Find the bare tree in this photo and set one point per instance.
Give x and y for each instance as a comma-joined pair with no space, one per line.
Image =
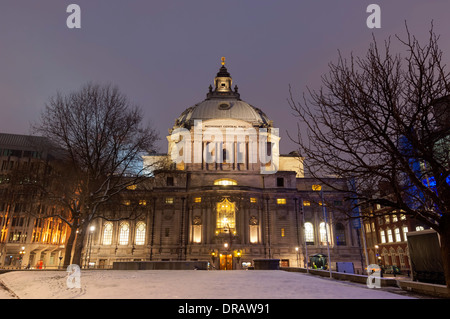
379,119
101,138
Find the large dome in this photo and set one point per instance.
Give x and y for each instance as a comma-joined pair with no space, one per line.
223,109
223,103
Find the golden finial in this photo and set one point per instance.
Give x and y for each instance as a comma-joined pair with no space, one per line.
223,60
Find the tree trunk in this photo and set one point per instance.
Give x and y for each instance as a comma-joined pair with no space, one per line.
79,244
69,245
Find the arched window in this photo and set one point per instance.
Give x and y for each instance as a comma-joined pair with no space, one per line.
225,182
385,255
124,232
401,257
226,217
340,234
324,233
140,233
394,259
107,233
309,233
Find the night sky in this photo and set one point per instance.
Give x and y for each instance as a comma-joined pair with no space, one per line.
164,54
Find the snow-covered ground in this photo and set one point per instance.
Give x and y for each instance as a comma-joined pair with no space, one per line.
185,284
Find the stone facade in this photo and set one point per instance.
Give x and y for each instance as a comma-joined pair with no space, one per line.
232,207
228,201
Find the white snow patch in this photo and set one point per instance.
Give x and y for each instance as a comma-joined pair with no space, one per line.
186,284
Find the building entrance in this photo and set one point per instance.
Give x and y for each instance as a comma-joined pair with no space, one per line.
226,262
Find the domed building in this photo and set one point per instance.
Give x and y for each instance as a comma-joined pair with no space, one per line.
225,195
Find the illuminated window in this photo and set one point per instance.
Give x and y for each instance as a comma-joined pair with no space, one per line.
389,234
281,201
397,235
405,231
124,232
126,202
309,233
140,233
252,199
323,233
306,203
253,234
225,182
169,200
143,202
197,233
226,222
316,187
132,187
383,236
282,232
107,233
197,200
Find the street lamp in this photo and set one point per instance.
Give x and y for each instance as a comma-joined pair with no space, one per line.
296,252
21,254
377,254
318,188
213,258
238,254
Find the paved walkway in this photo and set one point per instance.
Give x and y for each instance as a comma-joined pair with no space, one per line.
181,284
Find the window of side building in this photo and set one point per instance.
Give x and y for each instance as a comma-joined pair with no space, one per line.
309,233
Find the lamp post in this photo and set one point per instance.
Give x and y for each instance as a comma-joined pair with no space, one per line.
238,255
319,188
213,258
304,237
326,232
377,255
21,254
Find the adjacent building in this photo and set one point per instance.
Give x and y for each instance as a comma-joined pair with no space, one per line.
386,237
29,236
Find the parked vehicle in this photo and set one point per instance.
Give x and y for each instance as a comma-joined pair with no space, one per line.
394,270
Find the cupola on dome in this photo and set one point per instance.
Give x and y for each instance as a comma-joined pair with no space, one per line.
223,102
